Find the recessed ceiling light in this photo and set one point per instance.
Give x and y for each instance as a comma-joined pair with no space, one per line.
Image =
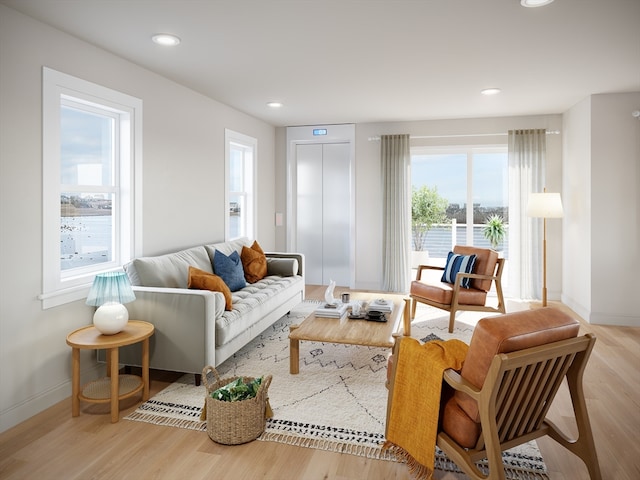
165,39
535,3
490,91
274,104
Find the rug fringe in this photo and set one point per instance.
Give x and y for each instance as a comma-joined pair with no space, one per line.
168,421
375,453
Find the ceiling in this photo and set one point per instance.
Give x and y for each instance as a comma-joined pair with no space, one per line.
354,61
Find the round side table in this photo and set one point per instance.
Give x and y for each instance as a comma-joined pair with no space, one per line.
113,387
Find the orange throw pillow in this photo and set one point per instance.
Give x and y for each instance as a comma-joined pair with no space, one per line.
201,280
254,263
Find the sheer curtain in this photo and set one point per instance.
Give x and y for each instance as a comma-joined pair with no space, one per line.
527,153
395,160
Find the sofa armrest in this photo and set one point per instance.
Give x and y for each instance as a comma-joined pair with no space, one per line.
298,256
184,320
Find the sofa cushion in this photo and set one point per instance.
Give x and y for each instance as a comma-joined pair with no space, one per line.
228,247
254,262
253,303
201,280
170,270
458,264
230,269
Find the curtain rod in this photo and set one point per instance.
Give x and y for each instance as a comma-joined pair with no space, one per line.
501,134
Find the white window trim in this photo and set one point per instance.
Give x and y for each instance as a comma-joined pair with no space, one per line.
57,290
230,137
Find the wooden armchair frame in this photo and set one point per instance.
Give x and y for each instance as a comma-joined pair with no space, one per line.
455,306
514,400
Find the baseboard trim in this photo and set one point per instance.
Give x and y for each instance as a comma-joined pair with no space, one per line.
602,318
43,400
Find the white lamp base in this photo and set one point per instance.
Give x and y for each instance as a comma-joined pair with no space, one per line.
111,318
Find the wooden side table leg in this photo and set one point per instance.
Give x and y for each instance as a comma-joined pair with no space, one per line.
294,353
115,385
145,370
75,382
108,361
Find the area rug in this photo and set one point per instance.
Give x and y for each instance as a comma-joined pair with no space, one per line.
338,400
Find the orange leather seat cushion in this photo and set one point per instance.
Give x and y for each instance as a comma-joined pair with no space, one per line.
442,292
493,335
430,287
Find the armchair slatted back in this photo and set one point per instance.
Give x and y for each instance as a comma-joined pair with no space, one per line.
523,384
515,399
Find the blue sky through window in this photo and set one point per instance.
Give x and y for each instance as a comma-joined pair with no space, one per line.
448,173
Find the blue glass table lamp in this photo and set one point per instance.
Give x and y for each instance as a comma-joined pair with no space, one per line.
109,292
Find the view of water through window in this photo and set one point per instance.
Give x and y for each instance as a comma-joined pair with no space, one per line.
85,240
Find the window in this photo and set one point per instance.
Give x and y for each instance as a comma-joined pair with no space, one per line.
463,176
92,154
241,160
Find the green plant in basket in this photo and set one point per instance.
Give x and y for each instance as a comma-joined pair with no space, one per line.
237,390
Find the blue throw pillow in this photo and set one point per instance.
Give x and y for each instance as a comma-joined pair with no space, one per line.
229,269
458,263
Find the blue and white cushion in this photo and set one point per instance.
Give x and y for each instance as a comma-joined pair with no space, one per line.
458,263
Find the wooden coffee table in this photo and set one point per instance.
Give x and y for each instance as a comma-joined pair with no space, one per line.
351,332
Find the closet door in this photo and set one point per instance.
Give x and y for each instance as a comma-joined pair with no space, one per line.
323,211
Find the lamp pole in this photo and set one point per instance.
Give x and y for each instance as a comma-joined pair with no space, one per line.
544,261
544,205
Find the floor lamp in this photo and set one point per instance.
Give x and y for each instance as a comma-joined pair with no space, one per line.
544,205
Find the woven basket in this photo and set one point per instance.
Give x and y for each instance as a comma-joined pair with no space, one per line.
233,423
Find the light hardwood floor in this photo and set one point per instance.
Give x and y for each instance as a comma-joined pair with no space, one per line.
53,445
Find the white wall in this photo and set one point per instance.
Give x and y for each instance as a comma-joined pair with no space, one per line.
576,203
602,254
183,193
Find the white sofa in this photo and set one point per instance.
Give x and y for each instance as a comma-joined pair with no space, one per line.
192,328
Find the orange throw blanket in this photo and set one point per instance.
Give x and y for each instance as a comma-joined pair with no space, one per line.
412,425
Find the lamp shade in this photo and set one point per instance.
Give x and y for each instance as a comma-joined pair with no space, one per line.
108,292
110,287
545,205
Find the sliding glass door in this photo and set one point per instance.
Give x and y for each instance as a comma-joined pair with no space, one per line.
464,189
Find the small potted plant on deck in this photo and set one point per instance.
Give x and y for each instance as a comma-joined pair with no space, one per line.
494,230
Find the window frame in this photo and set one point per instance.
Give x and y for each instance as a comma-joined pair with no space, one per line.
246,143
60,287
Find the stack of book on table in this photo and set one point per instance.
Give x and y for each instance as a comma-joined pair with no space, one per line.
335,310
381,305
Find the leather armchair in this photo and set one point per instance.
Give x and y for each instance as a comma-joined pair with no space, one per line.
513,369
428,287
